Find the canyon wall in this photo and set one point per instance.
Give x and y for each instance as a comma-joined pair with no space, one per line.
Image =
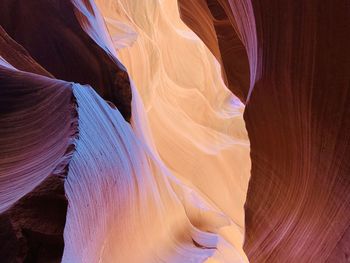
98,157
297,116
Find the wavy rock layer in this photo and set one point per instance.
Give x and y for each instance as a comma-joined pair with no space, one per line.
33,163
121,195
53,33
297,118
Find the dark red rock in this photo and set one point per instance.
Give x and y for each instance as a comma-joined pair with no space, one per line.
32,230
17,56
51,33
298,120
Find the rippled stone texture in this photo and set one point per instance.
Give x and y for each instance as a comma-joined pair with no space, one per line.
33,205
298,121
37,120
38,125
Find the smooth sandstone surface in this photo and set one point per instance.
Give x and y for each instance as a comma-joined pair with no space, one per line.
204,142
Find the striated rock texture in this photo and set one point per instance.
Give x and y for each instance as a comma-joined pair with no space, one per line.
121,195
38,122
60,38
298,120
33,163
78,182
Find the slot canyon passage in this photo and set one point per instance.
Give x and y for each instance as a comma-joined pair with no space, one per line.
174,131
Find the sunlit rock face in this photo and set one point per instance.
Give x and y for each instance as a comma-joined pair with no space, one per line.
82,182
214,23
297,116
204,141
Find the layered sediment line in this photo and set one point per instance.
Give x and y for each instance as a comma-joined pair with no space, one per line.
38,128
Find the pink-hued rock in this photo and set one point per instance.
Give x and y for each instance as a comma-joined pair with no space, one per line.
38,126
298,120
52,32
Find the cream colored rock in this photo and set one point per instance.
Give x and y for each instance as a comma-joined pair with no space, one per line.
196,124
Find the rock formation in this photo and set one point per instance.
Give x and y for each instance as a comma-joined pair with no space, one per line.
33,163
214,23
56,34
81,184
297,116
150,162
204,141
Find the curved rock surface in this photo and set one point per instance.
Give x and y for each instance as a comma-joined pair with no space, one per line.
120,195
15,55
106,184
297,116
79,183
33,164
214,23
59,36
204,143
